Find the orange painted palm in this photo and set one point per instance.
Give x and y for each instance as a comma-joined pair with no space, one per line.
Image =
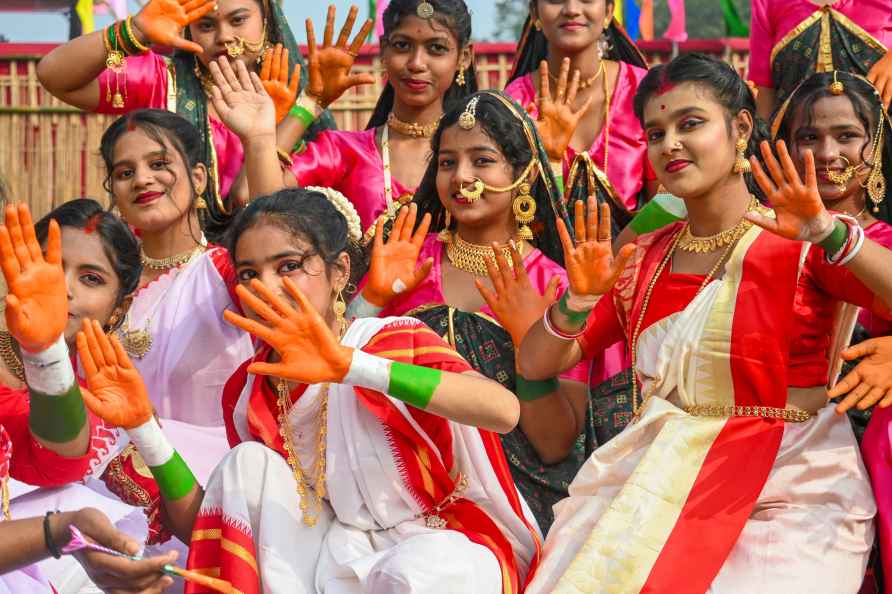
274,75
162,22
329,67
393,267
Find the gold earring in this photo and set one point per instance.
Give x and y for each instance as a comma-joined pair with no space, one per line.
201,203
460,78
445,235
742,164
524,207
340,308
537,24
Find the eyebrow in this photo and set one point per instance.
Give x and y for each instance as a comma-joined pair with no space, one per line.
438,39
480,148
95,268
677,114
146,156
274,257
837,127
228,15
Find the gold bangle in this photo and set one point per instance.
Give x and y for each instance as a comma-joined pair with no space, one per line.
284,157
131,36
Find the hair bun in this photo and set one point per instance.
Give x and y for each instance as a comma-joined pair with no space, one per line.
345,207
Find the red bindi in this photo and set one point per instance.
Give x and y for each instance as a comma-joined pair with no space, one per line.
662,108
91,225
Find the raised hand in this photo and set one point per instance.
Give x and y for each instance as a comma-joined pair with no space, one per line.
116,393
799,211
241,100
329,66
557,119
515,301
309,352
37,302
870,382
274,76
393,267
591,266
881,77
161,22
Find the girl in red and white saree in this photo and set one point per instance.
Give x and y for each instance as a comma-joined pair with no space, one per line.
735,465
357,460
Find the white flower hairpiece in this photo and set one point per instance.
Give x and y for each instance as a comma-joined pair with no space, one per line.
345,207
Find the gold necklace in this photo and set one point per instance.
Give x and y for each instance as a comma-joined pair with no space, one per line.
413,129
303,485
471,257
688,242
584,84
650,288
10,357
174,260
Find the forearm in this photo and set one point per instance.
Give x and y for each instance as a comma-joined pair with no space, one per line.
765,100
550,421
291,130
544,355
72,67
57,416
180,491
466,398
262,166
22,542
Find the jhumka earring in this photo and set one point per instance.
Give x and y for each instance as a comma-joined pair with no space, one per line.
537,24
340,308
460,78
524,207
742,164
445,234
876,182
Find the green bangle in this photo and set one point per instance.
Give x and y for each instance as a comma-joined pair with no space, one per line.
837,238
528,390
413,384
575,317
174,478
57,418
662,210
303,114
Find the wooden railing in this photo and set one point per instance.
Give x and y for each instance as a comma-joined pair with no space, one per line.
49,150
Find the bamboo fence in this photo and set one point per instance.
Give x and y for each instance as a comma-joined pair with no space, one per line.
49,151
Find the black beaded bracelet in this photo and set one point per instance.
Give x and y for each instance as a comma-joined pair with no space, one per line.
51,545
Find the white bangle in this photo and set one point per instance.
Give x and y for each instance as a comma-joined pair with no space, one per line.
151,442
859,243
368,371
49,371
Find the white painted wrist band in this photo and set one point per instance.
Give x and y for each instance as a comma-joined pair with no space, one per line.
361,308
49,372
369,371
151,442
581,303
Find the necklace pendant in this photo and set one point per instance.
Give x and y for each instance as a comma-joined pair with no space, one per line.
434,522
137,343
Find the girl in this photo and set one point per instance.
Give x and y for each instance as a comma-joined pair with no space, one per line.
732,383
610,68
427,53
91,72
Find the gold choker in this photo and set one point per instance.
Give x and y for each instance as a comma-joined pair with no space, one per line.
171,261
471,257
413,129
10,357
704,245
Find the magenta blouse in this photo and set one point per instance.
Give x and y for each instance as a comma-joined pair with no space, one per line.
350,163
627,163
146,86
773,19
539,267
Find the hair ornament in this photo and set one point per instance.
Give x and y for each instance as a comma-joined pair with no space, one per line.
468,119
425,10
836,87
345,207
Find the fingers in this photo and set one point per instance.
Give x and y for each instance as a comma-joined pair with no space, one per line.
604,230
311,40
564,236
498,269
845,385
362,78
241,72
83,351
855,395
305,306
120,353
422,272
591,219
520,271
96,405
562,79
258,85
792,176
271,369
344,36
811,178
8,260
93,345
873,396
491,299
360,38
622,260
250,326
329,26
551,291
421,232
295,80
761,220
379,236
761,178
544,87
220,80
272,299
194,15
396,232
579,220
258,306
585,106
15,234
185,44
30,239
53,244
774,168
574,88
104,344
863,349
409,225
276,65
